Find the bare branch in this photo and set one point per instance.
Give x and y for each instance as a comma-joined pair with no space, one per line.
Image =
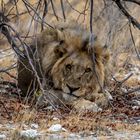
74,8
45,11
129,17
133,90
63,10
5,31
133,1
28,5
137,52
9,68
5,109
119,83
53,8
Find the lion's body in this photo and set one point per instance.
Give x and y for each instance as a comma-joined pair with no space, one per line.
62,56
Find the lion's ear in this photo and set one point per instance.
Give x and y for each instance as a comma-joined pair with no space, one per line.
101,53
60,34
85,43
59,51
105,54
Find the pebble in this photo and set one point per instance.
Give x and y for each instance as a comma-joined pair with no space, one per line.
56,128
25,126
30,133
55,119
2,136
135,107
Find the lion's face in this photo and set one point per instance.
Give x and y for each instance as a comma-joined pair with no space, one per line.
70,64
63,62
74,74
77,71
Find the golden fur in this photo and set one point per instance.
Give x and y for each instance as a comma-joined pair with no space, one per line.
64,58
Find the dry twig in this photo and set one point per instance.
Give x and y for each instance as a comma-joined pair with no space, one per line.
125,12
5,109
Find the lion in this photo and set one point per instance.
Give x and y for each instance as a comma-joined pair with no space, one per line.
61,56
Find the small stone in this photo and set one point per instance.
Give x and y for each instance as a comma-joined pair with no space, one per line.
55,119
10,126
2,136
135,107
108,95
136,102
25,126
56,128
30,133
49,108
72,135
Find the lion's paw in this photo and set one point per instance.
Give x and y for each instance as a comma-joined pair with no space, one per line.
83,105
100,99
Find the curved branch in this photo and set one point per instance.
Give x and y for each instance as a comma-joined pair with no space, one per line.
134,1
4,30
125,12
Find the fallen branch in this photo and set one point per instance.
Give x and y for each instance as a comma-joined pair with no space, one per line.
133,90
119,83
8,83
5,109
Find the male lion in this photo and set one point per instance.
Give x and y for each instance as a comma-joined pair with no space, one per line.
61,56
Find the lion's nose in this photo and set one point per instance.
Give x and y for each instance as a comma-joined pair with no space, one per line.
72,89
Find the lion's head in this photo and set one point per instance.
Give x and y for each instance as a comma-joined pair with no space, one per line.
73,70
63,56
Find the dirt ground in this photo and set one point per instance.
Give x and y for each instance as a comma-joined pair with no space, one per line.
123,114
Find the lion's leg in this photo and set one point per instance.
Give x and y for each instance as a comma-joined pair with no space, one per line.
100,99
51,97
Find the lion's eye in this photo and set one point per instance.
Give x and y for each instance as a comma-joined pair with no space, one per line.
61,42
68,67
88,70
